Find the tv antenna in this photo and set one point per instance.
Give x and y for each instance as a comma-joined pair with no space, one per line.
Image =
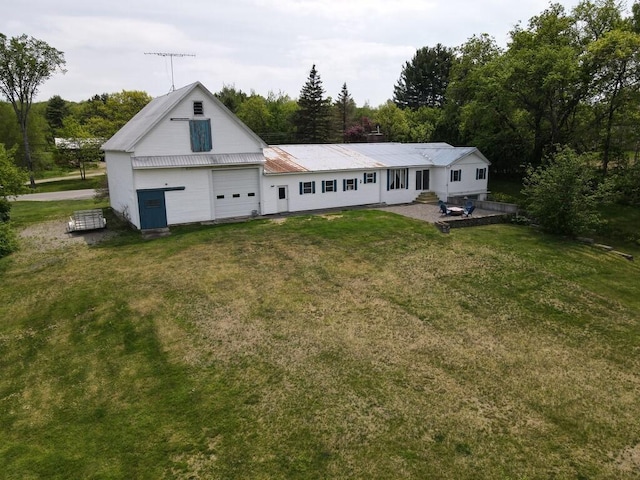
171,55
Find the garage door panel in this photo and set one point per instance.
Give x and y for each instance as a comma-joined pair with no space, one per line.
236,192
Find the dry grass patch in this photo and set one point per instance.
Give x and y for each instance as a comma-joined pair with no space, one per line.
365,346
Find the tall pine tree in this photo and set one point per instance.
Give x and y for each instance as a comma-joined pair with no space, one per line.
313,118
346,106
423,81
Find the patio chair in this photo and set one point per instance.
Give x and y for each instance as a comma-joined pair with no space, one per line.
469,210
468,204
443,208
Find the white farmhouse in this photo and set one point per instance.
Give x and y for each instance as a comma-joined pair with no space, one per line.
186,158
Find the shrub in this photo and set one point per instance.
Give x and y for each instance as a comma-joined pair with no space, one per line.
5,210
8,240
562,195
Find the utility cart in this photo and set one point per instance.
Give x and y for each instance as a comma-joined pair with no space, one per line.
83,220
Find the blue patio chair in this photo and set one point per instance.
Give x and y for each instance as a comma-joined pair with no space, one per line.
468,204
469,210
443,208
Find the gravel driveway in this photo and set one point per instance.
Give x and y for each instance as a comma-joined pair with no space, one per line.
53,234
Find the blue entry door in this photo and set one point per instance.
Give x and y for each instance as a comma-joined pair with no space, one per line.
152,207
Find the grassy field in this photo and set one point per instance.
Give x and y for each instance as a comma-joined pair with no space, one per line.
71,184
354,345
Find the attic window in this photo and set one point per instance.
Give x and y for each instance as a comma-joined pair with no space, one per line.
198,108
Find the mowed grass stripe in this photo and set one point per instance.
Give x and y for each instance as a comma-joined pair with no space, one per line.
357,345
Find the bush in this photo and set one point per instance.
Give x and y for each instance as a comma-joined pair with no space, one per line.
8,240
5,210
562,195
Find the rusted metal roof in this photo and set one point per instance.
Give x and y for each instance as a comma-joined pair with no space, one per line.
204,160
279,161
317,158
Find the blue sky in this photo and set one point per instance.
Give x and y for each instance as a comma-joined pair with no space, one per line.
260,45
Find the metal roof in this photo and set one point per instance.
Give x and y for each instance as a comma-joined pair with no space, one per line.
305,158
203,160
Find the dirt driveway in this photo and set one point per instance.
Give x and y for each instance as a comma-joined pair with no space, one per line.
53,234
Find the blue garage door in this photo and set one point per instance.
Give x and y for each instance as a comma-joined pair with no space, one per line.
153,211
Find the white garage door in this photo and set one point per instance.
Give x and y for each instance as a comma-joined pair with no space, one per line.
236,193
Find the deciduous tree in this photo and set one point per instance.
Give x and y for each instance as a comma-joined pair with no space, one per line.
562,195
25,63
255,114
393,122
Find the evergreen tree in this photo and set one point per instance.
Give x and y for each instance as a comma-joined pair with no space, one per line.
313,118
57,109
423,81
346,107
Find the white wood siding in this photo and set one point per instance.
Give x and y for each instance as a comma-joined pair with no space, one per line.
122,195
171,137
193,204
468,185
366,193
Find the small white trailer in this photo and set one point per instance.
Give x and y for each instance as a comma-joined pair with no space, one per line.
83,220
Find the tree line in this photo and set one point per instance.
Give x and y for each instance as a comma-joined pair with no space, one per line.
566,78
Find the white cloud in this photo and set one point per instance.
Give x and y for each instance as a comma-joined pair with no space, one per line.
261,45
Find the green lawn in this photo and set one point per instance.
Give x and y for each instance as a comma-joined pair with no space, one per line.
355,345
71,184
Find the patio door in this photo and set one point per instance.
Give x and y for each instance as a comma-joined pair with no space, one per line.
422,180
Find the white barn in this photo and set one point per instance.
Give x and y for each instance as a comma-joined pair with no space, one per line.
186,158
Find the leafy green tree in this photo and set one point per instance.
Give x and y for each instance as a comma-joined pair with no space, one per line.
114,112
282,112
544,78
25,63
562,195
255,114
423,81
393,122
466,79
616,59
231,98
313,118
12,180
80,146
9,129
422,123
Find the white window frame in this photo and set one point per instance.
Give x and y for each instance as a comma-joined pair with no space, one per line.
350,184
329,186
456,175
481,173
370,177
398,178
307,188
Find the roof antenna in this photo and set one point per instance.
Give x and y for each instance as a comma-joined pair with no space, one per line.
171,55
